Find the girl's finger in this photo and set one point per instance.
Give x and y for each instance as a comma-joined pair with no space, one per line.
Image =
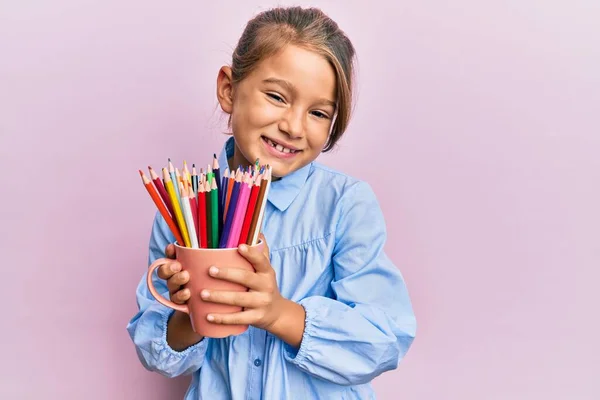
247,317
237,275
178,280
262,237
181,296
170,251
240,299
167,270
256,257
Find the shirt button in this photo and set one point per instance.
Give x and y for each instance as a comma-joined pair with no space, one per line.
257,362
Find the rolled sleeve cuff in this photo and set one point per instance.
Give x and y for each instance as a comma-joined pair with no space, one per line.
158,355
162,343
301,355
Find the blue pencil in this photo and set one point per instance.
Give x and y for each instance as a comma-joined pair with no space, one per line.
175,181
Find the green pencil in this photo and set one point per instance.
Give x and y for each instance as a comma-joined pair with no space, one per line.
209,236
209,175
214,213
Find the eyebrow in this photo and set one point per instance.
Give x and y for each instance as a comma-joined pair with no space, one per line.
288,85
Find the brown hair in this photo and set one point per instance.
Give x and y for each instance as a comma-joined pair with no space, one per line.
310,28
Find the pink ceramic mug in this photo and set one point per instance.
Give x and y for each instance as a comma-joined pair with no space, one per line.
197,262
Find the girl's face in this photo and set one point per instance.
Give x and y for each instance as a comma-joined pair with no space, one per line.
282,112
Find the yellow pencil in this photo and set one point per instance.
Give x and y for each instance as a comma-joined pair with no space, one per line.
176,208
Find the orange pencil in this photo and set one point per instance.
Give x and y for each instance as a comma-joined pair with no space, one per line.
161,207
232,177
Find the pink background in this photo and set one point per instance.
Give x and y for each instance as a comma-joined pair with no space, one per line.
477,125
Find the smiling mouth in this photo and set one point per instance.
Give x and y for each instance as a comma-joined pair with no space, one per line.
279,146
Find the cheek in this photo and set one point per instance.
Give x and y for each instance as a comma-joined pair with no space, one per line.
253,113
319,135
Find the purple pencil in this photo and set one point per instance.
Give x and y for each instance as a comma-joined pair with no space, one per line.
240,212
228,224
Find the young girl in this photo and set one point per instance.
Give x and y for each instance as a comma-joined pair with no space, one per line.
328,311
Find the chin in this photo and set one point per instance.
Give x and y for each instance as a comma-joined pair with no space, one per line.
280,172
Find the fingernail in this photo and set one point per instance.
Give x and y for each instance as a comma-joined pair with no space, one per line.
243,247
210,318
205,294
213,270
175,267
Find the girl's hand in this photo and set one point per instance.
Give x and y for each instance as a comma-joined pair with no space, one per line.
175,277
262,304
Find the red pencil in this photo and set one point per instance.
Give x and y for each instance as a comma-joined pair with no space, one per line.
250,210
161,207
161,190
202,233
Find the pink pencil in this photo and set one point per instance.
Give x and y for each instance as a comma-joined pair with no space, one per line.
240,212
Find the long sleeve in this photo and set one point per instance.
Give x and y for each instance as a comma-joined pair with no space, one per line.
369,325
148,328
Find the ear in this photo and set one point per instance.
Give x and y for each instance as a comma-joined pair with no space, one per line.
225,89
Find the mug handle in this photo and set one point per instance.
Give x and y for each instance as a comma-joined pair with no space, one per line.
160,298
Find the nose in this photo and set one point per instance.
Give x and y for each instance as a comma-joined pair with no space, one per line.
292,123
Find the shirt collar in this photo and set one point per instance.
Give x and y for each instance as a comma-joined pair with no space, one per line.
282,192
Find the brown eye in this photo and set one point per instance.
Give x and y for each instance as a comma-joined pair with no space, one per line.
319,114
275,97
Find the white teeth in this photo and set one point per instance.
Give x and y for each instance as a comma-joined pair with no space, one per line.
279,147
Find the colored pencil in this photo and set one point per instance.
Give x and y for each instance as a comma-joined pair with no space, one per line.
250,210
214,213
187,214
194,208
217,171
177,209
223,192
230,212
209,230
195,180
209,174
178,176
239,212
261,211
158,183
230,185
161,207
174,180
185,173
259,200
202,234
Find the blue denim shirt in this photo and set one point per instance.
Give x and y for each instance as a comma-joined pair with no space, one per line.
326,235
